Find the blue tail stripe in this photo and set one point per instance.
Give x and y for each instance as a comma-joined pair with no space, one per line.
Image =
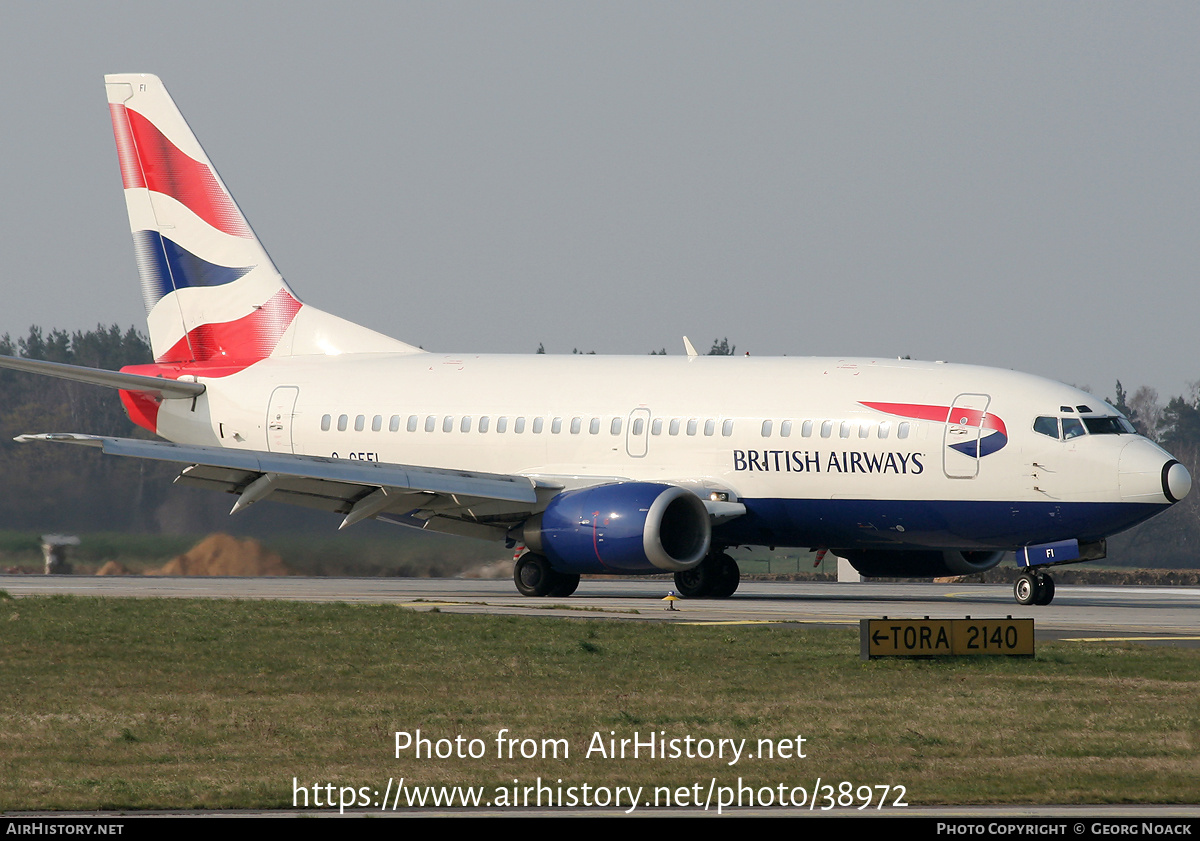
165,266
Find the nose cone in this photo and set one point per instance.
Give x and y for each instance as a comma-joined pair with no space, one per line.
1176,481
1149,474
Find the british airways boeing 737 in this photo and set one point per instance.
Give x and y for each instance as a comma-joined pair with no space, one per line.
618,465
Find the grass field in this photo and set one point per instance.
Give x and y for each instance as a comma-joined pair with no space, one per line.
132,704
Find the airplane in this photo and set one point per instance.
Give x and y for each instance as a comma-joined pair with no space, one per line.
593,464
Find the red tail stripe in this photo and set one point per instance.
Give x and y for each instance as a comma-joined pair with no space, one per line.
150,160
244,340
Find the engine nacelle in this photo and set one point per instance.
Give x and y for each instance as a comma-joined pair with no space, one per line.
920,563
629,528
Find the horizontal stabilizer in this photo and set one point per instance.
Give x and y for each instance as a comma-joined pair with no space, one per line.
158,386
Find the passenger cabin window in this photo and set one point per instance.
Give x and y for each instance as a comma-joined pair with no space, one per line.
342,421
326,422
394,424
727,428
465,426
448,423
639,426
826,429
594,427
519,426
556,426
864,430
501,424
360,423
766,429
902,430
844,429
710,426
412,423
674,430
884,428
806,429
537,425
656,427
615,426
430,423
484,423
693,425
576,425
785,429
377,423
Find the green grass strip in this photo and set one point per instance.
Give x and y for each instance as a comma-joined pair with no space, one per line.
132,704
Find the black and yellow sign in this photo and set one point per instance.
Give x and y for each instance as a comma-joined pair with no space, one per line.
945,637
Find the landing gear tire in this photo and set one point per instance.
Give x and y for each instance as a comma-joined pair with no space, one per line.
1034,588
565,586
1046,589
534,576
696,582
728,577
717,576
1026,589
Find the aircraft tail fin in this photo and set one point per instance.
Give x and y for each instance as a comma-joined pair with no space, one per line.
211,292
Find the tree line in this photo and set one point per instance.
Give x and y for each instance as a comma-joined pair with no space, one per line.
58,487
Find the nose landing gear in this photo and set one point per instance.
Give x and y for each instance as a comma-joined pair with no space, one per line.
1034,588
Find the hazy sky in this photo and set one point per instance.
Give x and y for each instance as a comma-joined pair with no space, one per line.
1012,184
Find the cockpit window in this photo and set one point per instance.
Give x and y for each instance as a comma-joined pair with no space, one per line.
1046,426
1110,425
1072,428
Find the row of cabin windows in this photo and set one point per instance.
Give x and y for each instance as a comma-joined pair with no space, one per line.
674,426
845,429
447,423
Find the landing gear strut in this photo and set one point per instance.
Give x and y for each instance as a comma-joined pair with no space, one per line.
1034,588
717,577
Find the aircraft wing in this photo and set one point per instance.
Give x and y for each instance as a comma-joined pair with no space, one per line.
462,502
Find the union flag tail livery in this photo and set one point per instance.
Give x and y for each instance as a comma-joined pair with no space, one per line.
211,292
598,465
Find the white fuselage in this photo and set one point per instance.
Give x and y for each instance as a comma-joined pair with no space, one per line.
777,431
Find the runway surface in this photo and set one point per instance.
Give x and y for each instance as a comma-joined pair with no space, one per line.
1153,614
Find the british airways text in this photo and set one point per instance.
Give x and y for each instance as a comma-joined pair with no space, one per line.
813,461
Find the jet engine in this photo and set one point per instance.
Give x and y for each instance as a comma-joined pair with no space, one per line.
920,563
629,527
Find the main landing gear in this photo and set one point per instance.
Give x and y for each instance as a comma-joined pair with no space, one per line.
535,577
717,577
1034,588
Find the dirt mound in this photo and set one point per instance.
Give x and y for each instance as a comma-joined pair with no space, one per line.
496,569
113,568
220,554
